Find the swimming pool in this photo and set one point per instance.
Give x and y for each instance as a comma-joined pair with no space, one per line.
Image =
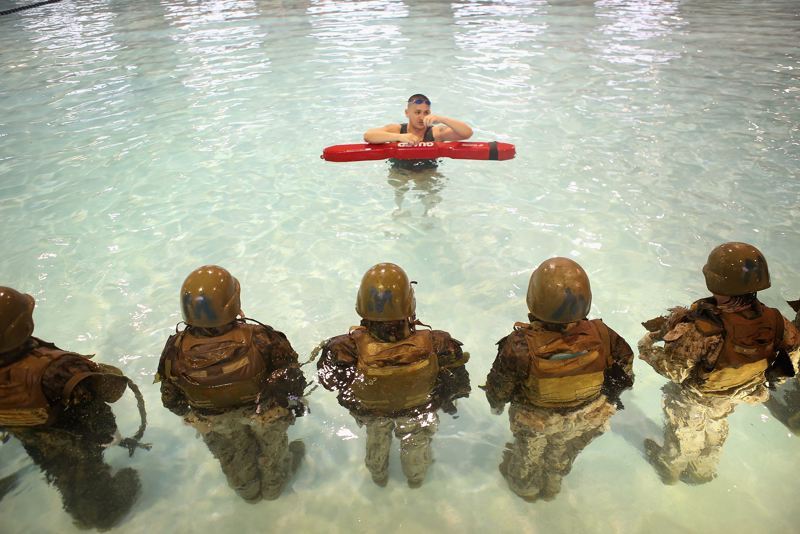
141,140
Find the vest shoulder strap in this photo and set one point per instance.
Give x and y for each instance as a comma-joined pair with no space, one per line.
605,339
170,349
708,328
779,326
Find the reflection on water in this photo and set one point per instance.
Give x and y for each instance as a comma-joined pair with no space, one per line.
784,404
69,451
74,465
695,429
546,444
356,41
630,25
422,185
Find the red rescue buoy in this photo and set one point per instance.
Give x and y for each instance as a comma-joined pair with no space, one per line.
426,150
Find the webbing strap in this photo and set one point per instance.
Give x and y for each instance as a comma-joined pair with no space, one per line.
29,6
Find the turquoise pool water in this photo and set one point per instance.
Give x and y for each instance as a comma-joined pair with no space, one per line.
139,140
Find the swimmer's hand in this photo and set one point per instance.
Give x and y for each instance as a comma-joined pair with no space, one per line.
409,138
430,120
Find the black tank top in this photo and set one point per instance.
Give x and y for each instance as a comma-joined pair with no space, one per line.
416,164
428,137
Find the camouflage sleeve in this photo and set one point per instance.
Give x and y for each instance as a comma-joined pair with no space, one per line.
336,367
453,380
621,353
684,348
274,348
619,376
791,342
173,398
286,379
791,336
508,370
448,350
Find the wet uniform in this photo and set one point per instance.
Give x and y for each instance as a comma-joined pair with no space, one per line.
784,402
396,387
715,360
233,385
64,424
415,164
555,381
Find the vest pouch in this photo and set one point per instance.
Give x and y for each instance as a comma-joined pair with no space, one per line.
567,382
17,417
721,380
387,390
22,401
747,350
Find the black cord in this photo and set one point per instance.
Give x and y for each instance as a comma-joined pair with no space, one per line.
29,6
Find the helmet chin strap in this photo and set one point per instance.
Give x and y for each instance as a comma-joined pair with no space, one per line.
413,321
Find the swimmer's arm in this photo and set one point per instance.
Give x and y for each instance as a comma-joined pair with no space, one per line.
385,134
173,398
449,129
336,367
684,349
507,372
791,342
621,353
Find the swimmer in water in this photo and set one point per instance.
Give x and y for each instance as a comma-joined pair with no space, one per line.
422,126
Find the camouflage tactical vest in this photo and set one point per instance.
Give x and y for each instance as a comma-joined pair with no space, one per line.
749,346
396,376
566,368
217,372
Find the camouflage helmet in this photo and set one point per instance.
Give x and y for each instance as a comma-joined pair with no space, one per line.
385,294
16,318
559,292
734,269
210,297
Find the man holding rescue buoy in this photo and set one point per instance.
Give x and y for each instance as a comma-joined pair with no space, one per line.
422,127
